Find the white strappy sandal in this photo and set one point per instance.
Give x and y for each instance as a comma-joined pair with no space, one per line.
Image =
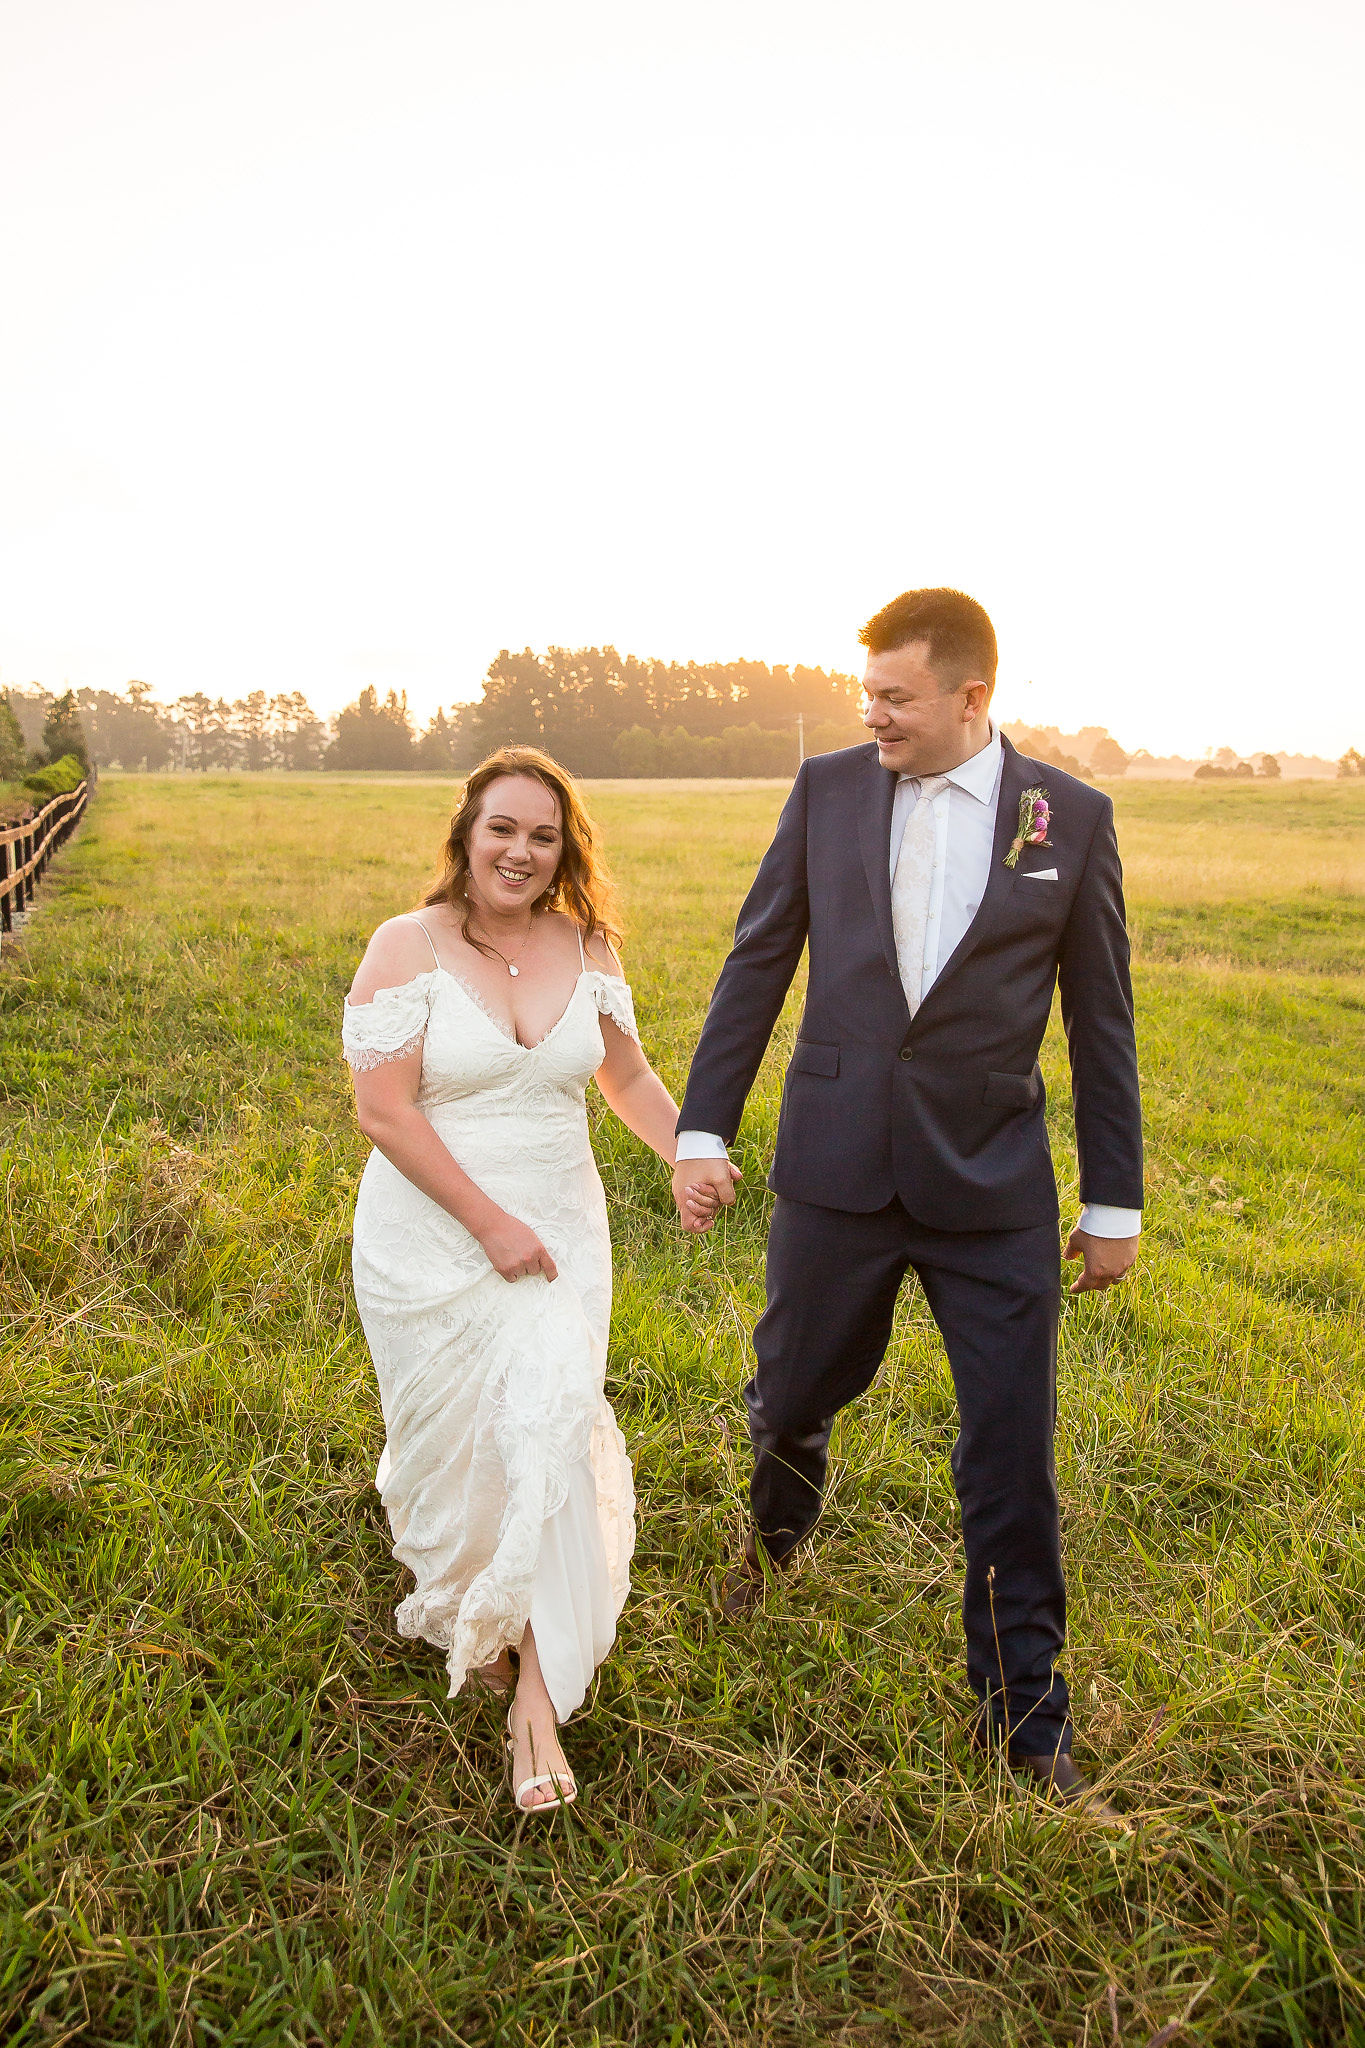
564,1797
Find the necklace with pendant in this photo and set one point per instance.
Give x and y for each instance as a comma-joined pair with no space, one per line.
511,965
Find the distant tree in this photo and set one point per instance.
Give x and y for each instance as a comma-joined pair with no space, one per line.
831,735
1040,742
435,750
31,707
466,745
371,734
196,724
128,730
1210,771
518,705
637,751
147,735
1107,757
63,732
222,742
753,750
1270,768
298,735
1351,763
248,732
13,752
1244,772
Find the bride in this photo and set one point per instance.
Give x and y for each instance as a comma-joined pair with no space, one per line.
481,1256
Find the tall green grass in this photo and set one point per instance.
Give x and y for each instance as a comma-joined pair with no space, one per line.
238,1809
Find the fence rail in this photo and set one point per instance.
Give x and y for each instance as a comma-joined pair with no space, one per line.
25,851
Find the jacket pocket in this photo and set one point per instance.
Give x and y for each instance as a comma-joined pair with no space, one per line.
1011,1091
815,1059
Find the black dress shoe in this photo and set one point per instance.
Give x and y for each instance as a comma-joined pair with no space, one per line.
1056,1777
742,1590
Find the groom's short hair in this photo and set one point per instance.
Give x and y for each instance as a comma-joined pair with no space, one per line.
959,635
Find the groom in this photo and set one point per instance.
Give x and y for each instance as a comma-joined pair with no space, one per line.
944,884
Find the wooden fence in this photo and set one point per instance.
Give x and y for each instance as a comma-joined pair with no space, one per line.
25,851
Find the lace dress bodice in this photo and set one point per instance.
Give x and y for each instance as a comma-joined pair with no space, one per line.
471,1060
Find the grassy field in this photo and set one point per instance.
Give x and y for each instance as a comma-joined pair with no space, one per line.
237,1809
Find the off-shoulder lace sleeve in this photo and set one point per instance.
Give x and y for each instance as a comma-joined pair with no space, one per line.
614,1001
390,1027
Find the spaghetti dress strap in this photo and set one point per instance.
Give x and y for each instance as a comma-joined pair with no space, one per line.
582,957
411,917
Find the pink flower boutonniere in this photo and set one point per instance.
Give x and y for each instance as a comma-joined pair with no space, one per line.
1034,819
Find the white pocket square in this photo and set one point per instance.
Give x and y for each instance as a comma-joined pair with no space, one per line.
1039,875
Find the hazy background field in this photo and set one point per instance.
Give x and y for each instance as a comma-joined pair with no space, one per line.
238,1809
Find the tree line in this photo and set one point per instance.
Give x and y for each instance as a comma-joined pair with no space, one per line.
130,729
1241,771
597,711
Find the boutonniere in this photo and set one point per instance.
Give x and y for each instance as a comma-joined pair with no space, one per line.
1034,819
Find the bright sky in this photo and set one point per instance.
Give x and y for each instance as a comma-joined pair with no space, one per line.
350,342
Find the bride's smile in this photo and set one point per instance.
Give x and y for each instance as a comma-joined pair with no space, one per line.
514,851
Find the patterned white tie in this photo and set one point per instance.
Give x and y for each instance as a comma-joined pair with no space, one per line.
910,889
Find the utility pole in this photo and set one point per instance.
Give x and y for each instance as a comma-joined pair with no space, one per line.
800,738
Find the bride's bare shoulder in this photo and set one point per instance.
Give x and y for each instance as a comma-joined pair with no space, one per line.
560,936
399,951
598,952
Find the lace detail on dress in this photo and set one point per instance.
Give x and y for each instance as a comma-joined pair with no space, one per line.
362,1058
477,1000
614,1000
388,1028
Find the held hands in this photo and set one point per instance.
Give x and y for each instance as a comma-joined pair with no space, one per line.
514,1250
1106,1259
700,1187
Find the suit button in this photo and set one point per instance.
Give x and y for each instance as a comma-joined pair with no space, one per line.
907,1052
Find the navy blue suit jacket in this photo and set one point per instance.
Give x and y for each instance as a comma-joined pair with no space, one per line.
945,1111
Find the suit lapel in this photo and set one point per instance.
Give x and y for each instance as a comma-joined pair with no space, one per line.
874,836
994,907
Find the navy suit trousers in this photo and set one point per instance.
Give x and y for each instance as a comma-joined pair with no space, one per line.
833,1278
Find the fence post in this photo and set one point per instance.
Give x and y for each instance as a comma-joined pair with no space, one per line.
33,845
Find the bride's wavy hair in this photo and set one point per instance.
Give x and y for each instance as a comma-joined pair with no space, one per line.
581,888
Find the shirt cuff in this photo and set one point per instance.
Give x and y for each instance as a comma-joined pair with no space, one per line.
1099,1220
700,1145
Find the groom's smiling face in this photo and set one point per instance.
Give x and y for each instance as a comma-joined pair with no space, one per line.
921,728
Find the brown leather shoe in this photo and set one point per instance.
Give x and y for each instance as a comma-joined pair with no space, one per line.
1056,1777
742,1590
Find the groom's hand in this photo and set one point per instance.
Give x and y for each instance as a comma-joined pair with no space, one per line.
1106,1259
700,1186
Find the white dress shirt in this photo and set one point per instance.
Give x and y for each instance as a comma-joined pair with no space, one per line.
964,833
964,836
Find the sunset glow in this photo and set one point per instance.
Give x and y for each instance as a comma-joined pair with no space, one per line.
348,344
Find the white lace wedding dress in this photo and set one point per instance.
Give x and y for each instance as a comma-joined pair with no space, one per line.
505,1477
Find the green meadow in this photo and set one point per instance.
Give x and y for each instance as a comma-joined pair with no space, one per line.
235,1808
